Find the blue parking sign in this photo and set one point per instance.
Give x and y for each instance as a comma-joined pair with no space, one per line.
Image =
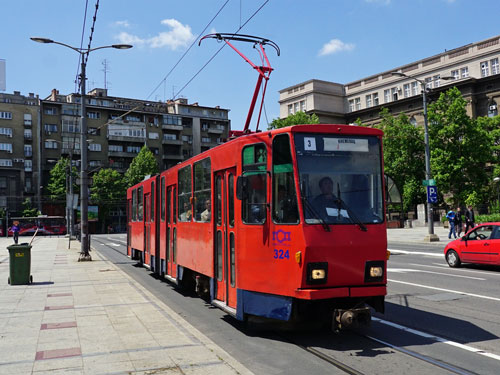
432,194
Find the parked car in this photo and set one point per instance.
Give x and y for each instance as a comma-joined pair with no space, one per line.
480,245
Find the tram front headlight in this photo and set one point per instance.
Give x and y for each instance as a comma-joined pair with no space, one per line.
374,271
317,272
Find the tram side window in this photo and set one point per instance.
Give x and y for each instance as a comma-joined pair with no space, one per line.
184,178
253,204
162,194
134,205
140,204
285,209
152,216
202,191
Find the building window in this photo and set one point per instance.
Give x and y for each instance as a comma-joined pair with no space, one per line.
295,107
437,80
70,126
206,139
50,128
414,88
406,89
485,71
368,101
94,131
169,137
28,134
428,83
464,72
115,148
94,147
187,138
71,143
357,103
28,150
290,109
50,110
494,66
28,165
6,147
154,136
94,115
27,119
204,126
351,105
50,145
375,98
387,96
394,93
492,109
455,74
6,131
4,163
303,104
134,149
94,163
5,115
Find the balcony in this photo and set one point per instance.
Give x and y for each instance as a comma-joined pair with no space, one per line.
122,154
122,138
171,127
171,142
70,151
216,130
171,156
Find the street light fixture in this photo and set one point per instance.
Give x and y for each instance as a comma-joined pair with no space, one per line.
84,193
430,221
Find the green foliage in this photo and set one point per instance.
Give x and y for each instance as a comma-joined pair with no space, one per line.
460,149
28,210
108,190
295,119
143,164
488,218
404,158
57,184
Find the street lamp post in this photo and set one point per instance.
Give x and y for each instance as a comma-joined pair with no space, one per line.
497,180
431,237
84,193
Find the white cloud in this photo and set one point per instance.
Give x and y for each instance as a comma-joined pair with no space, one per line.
334,46
121,24
180,35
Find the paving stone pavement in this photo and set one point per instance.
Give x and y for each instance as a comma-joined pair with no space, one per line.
91,318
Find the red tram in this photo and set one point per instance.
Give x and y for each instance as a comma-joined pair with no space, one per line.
286,224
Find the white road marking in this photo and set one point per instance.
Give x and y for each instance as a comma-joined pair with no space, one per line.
445,290
394,251
113,244
404,270
438,339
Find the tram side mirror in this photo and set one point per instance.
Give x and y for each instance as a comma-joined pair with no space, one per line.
242,187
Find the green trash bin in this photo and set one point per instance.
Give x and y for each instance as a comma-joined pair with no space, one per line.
20,264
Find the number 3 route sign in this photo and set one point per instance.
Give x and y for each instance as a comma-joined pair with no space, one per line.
432,194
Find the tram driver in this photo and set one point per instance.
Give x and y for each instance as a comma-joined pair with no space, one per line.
326,204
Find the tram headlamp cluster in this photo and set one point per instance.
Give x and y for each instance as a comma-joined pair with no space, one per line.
374,271
317,272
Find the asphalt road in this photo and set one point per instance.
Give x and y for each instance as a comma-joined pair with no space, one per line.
438,320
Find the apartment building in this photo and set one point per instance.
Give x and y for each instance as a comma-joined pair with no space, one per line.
473,68
19,145
117,130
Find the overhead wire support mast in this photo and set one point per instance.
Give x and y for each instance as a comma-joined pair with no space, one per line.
264,69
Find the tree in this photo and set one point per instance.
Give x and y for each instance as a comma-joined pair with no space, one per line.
143,164
295,119
404,158
57,186
28,209
108,189
460,149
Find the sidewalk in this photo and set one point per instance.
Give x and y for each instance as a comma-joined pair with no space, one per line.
418,234
91,318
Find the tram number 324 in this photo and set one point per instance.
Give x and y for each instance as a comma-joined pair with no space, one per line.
281,254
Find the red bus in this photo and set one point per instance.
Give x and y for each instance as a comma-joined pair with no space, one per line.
286,224
47,225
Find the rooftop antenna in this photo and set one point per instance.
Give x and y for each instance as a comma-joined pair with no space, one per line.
264,69
105,69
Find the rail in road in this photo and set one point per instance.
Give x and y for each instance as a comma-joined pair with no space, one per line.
402,341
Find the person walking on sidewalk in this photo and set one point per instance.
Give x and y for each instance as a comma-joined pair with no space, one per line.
469,219
458,221
15,231
451,218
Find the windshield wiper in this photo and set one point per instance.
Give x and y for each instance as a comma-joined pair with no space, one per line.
350,212
313,211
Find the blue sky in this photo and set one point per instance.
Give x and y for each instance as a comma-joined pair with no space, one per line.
333,40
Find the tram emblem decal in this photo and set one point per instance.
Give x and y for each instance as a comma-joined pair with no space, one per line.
281,236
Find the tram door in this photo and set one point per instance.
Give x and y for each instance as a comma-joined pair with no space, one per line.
147,229
224,242
171,253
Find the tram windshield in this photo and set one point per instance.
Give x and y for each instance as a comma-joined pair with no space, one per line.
340,178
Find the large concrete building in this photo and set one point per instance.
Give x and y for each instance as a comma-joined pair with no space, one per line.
473,68
35,134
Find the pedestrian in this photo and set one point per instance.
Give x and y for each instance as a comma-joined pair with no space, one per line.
451,218
469,219
15,231
458,221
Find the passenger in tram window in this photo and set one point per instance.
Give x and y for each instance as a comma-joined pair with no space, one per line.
186,215
205,215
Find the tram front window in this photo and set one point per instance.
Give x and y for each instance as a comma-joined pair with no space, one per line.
340,178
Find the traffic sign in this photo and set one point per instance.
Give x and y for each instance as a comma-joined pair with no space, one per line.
431,182
432,194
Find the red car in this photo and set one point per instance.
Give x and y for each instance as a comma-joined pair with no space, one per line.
481,245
